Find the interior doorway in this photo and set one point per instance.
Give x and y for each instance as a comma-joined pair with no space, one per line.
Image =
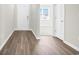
46,19
59,21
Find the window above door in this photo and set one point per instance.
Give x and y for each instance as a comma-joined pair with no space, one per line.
44,13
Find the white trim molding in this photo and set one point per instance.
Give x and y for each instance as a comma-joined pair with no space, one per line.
6,41
37,37
10,36
71,45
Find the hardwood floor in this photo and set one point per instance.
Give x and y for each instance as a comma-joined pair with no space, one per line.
20,43
25,43
49,45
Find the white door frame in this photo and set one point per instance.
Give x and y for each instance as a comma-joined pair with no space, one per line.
51,19
59,21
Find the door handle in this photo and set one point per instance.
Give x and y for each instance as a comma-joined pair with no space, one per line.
27,17
28,20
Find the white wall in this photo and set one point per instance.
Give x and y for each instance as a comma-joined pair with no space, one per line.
0,24
72,24
34,18
22,16
14,17
7,22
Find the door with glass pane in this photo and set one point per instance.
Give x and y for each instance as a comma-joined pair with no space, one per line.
45,20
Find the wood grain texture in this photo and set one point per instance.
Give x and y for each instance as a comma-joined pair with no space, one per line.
49,45
20,43
25,43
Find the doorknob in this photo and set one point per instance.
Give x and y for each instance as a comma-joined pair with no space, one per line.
28,20
27,17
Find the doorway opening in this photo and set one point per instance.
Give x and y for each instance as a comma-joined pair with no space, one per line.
46,21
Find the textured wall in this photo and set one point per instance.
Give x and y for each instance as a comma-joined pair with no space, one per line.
72,24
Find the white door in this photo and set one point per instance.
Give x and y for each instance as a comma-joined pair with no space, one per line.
22,16
59,18
46,20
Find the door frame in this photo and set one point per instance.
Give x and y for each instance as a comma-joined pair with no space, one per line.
51,17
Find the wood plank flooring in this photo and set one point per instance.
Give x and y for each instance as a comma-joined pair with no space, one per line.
20,43
25,43
49,45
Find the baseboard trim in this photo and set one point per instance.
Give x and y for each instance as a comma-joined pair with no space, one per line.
6,41
37,37
10,36
71,45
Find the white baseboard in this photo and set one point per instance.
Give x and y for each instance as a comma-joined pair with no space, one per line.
37,37
71,45
11,34
6,41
